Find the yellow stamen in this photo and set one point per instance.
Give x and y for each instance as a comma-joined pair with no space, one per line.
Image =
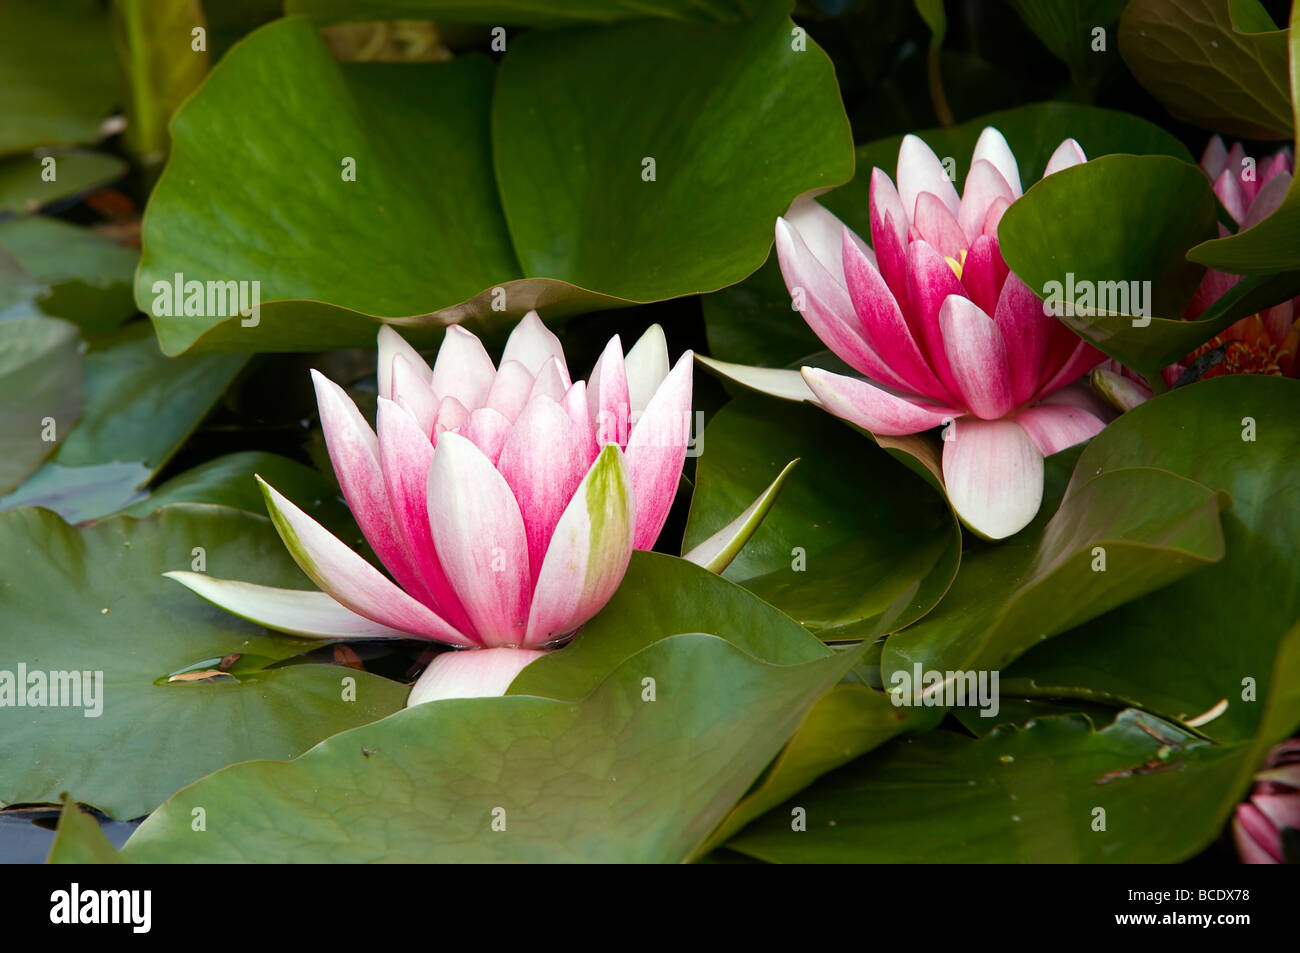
956,265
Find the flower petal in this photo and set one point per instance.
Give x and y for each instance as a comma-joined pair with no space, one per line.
391,345
938,226
354,453
884,327
826,306
551,381
656,450
351,580
821,231
574,403
1120,391
543,462
890,225
1053,427
984,186
930,282
1068,153
984,273
607,396
992,147
1082,359
463,369
773,381
1215,157
646,366
475,673
510,389
978,356
487,429
532,344
871,407
1027,332
919,170
308,613
413,392
480,539
716,553
993,474
405,454
589,552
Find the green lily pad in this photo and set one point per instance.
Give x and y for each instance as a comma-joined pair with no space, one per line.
94,600
1117,228
80,840
25,186
850,531
432,162
1204,70
1034,794
612,778
57,79
140,408
674,596
737,121
40,392
1182,650
1067,30
1114,538
89,276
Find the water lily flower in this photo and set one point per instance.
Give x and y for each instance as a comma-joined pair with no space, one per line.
1274,805
1263,343
941,332
505,501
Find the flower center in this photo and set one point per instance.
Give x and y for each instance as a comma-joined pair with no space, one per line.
956,265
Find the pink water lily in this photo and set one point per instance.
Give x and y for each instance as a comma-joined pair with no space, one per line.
505,501
940,331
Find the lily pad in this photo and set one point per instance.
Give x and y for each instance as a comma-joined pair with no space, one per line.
40,392
1117,228
93,600
1211,637
1204,70
26,186
613,778
519,12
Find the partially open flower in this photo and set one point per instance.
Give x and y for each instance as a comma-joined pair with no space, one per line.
940,331
505,502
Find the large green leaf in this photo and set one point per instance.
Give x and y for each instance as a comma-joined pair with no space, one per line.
89,276
1114,538
615,777
80,840
850,531
737,120
94,600
1273,244
140,408
40,392
428,166
520,12
56,73
1189,55
26,186
1110,225
1032,793
666,595
420,228
1182,650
